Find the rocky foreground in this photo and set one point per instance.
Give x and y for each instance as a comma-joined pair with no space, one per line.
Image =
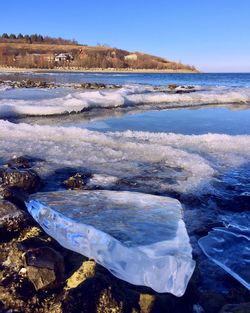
38,275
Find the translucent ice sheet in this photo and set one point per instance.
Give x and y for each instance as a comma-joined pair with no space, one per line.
229,247
140,238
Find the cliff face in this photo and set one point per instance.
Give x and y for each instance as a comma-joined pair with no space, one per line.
26,55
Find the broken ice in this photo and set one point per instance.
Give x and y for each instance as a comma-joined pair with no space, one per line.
140,238
229,247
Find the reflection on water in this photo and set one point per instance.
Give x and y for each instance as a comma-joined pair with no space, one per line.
233,120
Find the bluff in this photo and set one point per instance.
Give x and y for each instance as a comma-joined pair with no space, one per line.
74,56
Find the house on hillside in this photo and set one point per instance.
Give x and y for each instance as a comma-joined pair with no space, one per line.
131,57
64,57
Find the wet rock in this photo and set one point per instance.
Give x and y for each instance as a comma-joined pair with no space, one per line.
32,84
96,86
31,243
25,179
45,267
22,162
14,195
93,86
78,181
12,220
86,270
99,293
173,88
236,308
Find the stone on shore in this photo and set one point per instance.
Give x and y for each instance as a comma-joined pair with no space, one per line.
174,88
21,162
32,84
77,181
45,267
12,220
25,179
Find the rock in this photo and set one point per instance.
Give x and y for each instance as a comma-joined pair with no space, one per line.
236,308
146,302
31,243
86,270
12,220
25,179
14,195
172,86
78,181
45,267
32,84
96,86
21,162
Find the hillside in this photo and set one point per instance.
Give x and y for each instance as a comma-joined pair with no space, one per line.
74,56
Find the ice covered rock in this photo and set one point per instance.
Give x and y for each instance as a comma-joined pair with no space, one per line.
140,238
229,247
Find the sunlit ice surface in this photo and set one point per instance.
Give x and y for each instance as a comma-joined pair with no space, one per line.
140,238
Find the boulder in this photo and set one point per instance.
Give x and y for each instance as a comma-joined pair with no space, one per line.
14,195
172,86
96,86
12,220
21,162
32,84
78,181
45,267
25,179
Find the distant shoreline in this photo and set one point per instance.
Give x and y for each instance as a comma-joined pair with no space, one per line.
94,70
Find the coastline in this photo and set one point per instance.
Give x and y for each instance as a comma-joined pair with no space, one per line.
94,70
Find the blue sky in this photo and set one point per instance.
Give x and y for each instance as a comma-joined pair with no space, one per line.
213,35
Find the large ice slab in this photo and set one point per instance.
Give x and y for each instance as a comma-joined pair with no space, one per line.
140,238
229,247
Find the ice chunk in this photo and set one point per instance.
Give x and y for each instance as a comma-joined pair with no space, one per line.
140,238
238,222
229,247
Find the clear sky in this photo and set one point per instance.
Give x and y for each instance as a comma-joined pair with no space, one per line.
213,35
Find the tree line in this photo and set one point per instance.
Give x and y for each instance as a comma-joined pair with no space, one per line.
36,38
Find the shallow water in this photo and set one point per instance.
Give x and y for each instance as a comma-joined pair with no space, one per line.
182,121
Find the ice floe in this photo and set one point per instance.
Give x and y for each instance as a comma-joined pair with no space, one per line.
140,238
229,247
